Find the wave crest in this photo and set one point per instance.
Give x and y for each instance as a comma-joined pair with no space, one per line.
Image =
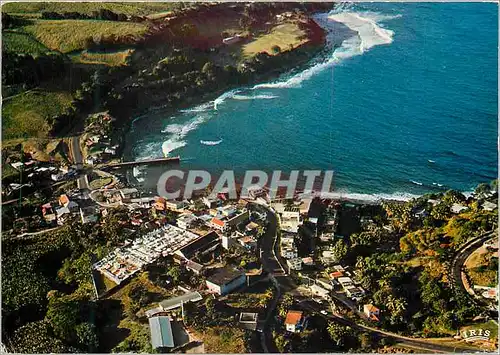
368,35
211,142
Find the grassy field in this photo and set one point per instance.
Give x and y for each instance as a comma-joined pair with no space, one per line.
478,269
27,114
72,35
285,36
22,43
112,59
128,8
223,340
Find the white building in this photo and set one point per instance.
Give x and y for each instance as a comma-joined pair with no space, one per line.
186,221
320,291
294,263
290,219
457,208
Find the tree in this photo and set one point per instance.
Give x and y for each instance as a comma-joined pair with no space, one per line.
63,315
339,250
87,337
285,305
37,337
338,333
210,307
280,341
482,190
396,305
175,273
275,49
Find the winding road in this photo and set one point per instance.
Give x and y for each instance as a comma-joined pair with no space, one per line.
458,263
76,153
270,259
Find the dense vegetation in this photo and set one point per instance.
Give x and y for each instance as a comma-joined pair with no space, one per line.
88,8
407,270
46,285
112,56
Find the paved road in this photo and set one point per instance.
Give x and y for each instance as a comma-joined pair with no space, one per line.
31,234
270,259
313,306
457,265
76,153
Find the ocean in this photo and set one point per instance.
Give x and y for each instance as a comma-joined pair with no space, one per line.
406,105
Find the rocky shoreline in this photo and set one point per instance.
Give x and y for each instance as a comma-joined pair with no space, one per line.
153,96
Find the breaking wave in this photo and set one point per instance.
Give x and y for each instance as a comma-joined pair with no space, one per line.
211,142
254,97
368,35
365,33
369,198
179,131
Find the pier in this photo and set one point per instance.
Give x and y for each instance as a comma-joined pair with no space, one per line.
156,161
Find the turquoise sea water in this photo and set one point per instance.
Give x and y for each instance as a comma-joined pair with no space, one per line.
407,105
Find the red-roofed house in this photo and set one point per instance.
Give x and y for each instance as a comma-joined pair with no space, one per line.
335,275
218,224
64,200
371,312
295,321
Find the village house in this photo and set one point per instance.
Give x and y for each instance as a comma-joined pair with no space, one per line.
325,283
287,247
174,302
295,321
64,201
317,290
228,218
371,312
356,293
48,213
211,202
458,208
290,219
251,228
328,257
308,261
161,332
225,280
175,206
186,220
489,206
196,268
294,264
201,245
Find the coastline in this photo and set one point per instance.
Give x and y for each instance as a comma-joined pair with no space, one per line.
284,63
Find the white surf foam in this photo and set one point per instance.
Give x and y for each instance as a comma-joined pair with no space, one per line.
254,97
416,182
200,108
220,100
368,198
369,35
178,132
170,145
211,142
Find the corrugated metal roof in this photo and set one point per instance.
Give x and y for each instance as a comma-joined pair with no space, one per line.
161,332
175,302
